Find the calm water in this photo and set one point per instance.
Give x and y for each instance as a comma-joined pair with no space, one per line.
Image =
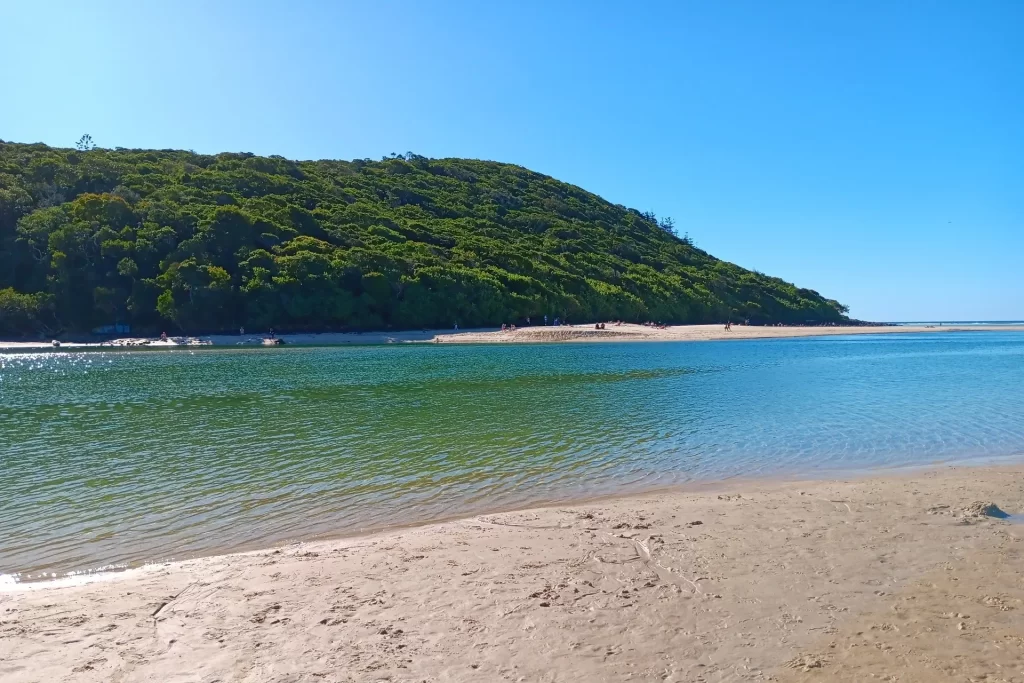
108,458
981,323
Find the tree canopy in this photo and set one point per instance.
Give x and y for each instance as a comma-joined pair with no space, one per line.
156,238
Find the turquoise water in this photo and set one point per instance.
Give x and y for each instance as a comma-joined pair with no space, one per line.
121,457
981,323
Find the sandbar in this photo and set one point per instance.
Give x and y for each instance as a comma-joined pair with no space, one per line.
522,335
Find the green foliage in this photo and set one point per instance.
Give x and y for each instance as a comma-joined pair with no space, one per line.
93,236
21,313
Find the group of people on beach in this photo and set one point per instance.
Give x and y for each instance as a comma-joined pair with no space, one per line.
557,322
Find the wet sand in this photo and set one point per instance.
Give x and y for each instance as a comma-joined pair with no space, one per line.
543,334
894,577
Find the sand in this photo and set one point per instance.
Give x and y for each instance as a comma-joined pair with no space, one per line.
549,334
895,577
629,332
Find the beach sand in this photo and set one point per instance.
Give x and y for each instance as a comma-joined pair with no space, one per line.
630,332
894,577
542,334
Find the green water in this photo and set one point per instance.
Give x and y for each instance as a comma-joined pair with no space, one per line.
113,458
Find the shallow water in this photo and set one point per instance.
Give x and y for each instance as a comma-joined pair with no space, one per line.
114,458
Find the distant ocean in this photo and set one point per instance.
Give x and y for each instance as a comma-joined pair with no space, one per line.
958,322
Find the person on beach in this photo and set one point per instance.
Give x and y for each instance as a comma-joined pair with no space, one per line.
163,336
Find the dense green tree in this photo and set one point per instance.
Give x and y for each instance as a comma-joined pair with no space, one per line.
92,236
24,313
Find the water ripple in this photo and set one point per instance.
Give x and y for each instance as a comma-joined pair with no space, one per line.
115,458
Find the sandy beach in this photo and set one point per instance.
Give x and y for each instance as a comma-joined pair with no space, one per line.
900,576
525,335
630,332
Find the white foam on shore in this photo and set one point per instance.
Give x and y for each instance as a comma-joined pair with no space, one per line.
17,583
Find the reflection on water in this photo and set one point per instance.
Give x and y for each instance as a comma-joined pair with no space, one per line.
126,456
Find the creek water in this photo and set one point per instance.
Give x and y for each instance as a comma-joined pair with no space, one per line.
113,458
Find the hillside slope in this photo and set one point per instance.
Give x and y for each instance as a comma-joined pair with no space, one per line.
203,243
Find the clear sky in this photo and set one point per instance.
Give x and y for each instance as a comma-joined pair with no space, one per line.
873,151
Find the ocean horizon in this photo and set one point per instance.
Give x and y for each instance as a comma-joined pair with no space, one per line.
957,322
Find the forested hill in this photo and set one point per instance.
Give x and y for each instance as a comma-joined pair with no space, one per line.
182,241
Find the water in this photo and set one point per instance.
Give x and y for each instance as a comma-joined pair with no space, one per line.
982,323
115,458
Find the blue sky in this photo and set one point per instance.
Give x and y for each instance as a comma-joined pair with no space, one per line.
873,151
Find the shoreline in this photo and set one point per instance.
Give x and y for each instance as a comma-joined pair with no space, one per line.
844,578
526,335
22,580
